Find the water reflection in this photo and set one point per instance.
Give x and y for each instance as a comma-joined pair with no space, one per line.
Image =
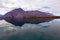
43,31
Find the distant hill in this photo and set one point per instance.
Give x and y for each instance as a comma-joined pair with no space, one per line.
1,17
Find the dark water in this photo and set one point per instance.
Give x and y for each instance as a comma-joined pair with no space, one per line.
43,31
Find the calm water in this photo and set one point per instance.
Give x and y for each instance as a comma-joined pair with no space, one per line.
43,31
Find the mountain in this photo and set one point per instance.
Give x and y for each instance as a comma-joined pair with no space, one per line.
1,17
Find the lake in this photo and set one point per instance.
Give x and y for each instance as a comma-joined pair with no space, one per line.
43,31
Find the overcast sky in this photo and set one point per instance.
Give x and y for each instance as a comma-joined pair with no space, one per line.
52,6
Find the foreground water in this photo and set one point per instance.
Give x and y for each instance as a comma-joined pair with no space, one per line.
43,31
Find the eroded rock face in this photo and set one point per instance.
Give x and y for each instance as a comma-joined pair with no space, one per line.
19,17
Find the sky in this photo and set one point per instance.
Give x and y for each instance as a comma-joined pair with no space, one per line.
51,6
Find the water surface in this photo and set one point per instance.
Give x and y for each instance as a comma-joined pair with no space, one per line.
43,31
